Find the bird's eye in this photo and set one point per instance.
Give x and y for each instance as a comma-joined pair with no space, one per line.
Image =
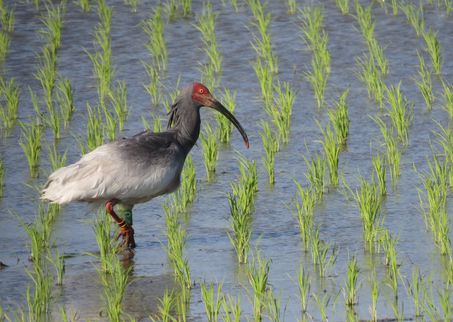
201,91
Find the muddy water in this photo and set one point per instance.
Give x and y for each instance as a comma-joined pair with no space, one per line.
211,256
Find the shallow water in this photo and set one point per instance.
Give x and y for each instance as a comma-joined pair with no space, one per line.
211,256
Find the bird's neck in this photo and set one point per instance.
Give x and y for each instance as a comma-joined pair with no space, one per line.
187,129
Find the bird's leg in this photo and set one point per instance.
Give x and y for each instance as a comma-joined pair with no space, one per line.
127,232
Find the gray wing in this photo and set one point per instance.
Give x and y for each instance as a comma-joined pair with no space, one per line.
128,168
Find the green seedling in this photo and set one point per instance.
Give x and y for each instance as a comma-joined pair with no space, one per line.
415,290
4,45
448,98
164,309
102,227
186,194
292,6
389,245
322,302
316,168
425,84
400,112
414,17
224,125
380,172
7,19
331,152
154,27
271,146
320,254
212,300
154,88
56,160
95,135
339,118
351,287
265,78
377,54
368,198
59,263
258,275
210,148
65,98
434,50
85,5
374,288
371,76
118,98
303,281
30,142
133,4
10,92
343,5
231,309
305,205
176,235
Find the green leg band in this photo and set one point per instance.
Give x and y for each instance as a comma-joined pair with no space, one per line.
125,214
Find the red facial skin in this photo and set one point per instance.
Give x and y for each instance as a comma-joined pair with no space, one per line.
200,93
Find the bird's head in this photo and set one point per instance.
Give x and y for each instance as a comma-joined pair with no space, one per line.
202,97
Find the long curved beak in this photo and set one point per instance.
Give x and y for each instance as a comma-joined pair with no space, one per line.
213,103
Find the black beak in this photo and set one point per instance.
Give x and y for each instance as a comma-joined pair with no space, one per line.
213,103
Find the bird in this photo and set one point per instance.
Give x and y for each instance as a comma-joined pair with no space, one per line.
135,170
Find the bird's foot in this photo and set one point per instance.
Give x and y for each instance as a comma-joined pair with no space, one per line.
127,234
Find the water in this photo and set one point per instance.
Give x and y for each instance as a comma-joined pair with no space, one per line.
275,231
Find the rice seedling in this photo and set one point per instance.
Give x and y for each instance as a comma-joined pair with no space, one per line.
395,6
415,290
241,201
154,27
304,283
368,198
374,288
59,264
292,6
399,112
65,98
176,235
118,98
171,9
11,93
271,146
265,78
316,168
343,5
393,153
4,45
182,304
154,88
318,80
231,309
133,4
398,311
258,275
7,19
165,307
210,148
212,302
30,142
414,17
320,254
389,245
371,76
38,297
377,54
433,206
434,50
206,25
186,7
448,98
322,302
429,307
85,5
339,118
305,204
273,307
224,125
365,21
350,289
95,136
425,84
332,152
379,165
281,110
107,248
445,303
114,284
47,74
56,160
188,189
316,39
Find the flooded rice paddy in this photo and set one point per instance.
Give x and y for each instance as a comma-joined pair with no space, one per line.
275,228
